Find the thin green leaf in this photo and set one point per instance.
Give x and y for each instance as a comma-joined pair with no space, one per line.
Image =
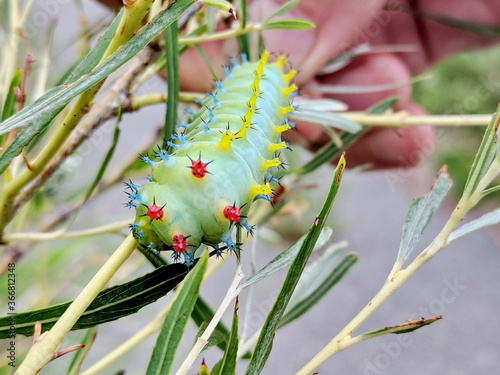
285,258
485,154
39,114
323,105
110,304
219,4
95,55
285,8
328,119
227,365
491,218
420,213
107,158
244,40
217,338
403,328
331,150
264,343
176,319
202,314
76,362
173,86
9,106
316,282
288,25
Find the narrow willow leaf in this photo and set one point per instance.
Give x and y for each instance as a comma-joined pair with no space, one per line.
176,319
285,258
173,85
39,114
219,4
107,158
288,25
76,362
244,40
328,119
322,105
110,304
406,327
285,8
264,343
491,218
95,55
485,154
420,213
331,150
202,314
227,365
316,282
9,106
216,338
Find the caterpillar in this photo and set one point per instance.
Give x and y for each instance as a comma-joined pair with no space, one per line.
205,179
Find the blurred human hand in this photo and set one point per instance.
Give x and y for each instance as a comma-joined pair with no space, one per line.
341,25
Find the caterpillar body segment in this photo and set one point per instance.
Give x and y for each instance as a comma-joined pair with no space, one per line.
203,184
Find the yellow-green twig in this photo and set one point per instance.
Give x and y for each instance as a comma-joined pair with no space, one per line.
403,118
63,234
46,346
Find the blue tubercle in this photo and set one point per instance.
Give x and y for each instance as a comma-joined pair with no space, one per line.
227,71
180,138
146,159
226,238
218,86
162,155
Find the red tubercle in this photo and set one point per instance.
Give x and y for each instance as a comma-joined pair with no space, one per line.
179,243
232,213
198,168
154,212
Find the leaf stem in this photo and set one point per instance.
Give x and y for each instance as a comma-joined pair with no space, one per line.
202,340
226,34
62,234
43,350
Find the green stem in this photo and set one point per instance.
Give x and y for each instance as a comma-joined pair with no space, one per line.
226,34
62,234
43,350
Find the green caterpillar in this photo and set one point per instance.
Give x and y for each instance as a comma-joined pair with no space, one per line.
203,184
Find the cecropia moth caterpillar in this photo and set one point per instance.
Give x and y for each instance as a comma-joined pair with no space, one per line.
204,182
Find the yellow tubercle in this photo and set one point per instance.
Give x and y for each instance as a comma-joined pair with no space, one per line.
288,77
266,164
284,110
256,189
281,61
259,72
282,128
252,103
242,133
225,143
288,90
273,147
